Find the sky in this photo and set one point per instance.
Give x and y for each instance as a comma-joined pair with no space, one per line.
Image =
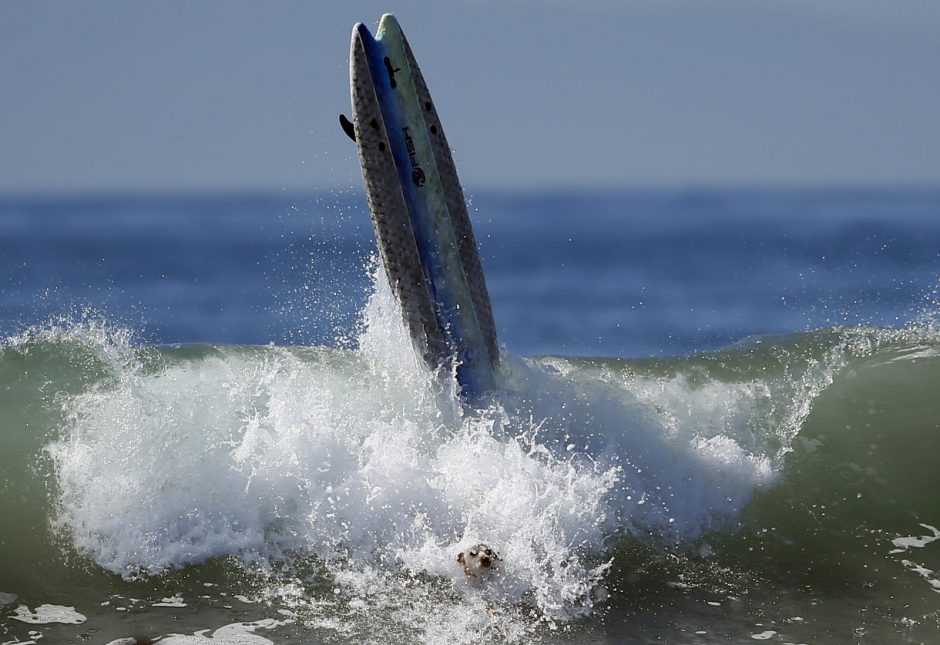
116,96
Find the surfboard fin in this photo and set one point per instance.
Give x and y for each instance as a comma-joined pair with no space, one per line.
347,127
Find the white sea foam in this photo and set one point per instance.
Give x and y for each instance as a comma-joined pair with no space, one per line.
365,461
235,634
46,614
902,544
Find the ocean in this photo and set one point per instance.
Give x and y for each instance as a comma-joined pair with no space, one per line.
718,421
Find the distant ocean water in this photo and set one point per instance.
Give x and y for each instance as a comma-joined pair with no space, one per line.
612,274
719,422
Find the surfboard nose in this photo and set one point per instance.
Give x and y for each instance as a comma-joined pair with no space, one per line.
388,23
361,32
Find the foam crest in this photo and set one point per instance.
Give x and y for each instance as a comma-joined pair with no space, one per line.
87,337
688,458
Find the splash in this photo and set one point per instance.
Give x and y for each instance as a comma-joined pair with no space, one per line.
359,465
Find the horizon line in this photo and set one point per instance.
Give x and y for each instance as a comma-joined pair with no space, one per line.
96,194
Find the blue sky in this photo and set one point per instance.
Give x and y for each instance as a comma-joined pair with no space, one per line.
198,96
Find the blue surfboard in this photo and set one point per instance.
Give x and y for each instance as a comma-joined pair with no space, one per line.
418,210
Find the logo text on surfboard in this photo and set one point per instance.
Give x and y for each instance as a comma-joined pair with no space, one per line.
417,175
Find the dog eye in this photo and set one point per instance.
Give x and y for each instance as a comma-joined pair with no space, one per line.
473,552
488,552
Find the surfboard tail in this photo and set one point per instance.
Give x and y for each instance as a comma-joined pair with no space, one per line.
418,211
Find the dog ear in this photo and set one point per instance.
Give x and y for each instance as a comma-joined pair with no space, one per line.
460,557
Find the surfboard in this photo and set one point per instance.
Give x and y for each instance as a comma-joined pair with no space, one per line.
418,210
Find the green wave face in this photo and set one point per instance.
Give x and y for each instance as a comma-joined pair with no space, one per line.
782,485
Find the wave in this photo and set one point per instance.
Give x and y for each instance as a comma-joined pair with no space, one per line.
360,464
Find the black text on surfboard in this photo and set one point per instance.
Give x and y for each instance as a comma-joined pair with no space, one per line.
417,175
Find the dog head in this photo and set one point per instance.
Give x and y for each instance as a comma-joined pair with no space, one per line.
479,560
